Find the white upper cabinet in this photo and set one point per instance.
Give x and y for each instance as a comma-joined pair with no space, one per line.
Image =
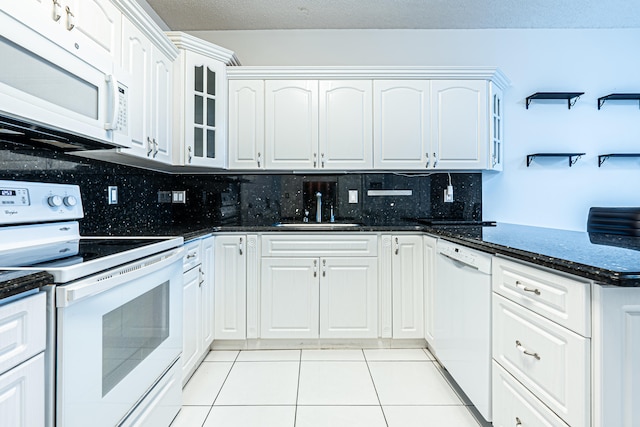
89,29
459,120
246,124
401,124
300,124
346,124
291,124
201,102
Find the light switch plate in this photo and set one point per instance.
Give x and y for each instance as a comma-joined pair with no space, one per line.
112,197
353,196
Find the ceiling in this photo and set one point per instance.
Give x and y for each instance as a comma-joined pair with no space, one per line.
194,15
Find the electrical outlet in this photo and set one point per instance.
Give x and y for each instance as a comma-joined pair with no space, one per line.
179,196
112,195
448,194
353,196
164,196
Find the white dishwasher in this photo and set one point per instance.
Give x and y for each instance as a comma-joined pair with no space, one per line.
462,320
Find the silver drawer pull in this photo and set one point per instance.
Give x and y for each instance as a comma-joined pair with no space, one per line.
524,288
518,422
189,256
520,347
397,246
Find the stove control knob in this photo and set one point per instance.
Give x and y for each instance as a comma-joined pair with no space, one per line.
70,201
54,201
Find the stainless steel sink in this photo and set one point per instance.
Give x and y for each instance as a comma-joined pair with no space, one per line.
317,225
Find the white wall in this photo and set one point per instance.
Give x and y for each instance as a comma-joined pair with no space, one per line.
549,193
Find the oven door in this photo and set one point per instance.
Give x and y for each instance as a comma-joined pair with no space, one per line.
118,332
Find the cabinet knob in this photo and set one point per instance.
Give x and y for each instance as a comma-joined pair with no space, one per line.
427,156
259,159
240,246
189,153
397,246
155,148
150,147
518,422
435,160
324,268
322,161
315,161
315,268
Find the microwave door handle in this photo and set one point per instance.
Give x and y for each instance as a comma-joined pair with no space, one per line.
112,88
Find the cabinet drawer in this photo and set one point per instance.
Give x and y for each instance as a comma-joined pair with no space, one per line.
319,245
513,404
563,300
192,255
549,360
23,326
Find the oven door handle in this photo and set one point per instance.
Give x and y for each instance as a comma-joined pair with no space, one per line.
74,292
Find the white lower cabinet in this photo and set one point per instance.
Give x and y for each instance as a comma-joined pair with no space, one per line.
407,286
22,394
541,340
514,405
306,295
197,304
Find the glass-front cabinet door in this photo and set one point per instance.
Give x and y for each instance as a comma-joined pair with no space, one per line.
202,147
200,130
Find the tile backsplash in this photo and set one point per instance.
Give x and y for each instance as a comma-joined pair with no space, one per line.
238,199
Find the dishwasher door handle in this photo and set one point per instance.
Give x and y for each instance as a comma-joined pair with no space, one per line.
464,264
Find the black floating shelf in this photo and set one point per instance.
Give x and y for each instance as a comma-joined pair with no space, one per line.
603,157
619,97
571,97
571,157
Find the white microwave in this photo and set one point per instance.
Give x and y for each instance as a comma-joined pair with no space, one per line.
44,86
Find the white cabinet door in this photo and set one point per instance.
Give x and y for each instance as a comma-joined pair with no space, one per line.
206,294
291,124
246,124
408,284
230,287
429,287
204,111
346,124
349,298
459,120
401,124
22,389
99,22
190,322
289,298
161,106
136,60
90,29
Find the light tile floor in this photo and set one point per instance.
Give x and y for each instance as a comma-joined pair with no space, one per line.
321,388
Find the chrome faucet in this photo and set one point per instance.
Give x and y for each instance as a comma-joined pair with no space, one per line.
318,207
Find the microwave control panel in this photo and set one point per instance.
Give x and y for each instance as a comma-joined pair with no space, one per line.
123,109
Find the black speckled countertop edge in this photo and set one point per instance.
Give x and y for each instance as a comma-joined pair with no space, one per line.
463,235
16,282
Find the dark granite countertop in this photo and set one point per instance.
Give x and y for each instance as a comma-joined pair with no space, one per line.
606,259
16,282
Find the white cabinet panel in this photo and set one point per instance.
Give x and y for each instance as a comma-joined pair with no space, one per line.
22,394
551,361
190,322
349,298
564,300
459,120
401,124
291,124
346,124
429,288
206,293
246,124
161,106
22,330
616,352
230,271
289,298
408,287
513,404
314,245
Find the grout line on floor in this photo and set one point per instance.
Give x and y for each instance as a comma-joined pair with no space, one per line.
295,411
375,389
